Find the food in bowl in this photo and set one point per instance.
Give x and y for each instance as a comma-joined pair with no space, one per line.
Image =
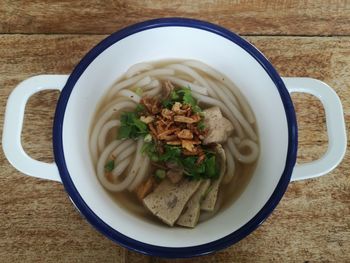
174,141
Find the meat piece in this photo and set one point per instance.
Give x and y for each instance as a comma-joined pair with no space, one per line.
219,128
175,175
190,216
168,200
209,200
145,188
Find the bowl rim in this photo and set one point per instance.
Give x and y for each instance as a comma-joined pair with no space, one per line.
171,252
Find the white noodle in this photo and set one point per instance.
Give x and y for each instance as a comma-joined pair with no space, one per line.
120,168
130,150
137,68
230,171
102,120
143,82
141,174
121,147
137,161
131,81
216,86
153,92
154,84
104,131
130,94
187,70
244,158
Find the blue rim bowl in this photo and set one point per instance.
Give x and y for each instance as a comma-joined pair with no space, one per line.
179,252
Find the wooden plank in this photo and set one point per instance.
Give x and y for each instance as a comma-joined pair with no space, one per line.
38,222
319,17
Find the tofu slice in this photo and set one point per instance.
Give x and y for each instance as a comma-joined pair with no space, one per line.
168,200
190,216
219,128
209,201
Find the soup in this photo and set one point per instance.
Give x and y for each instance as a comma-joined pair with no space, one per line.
174,141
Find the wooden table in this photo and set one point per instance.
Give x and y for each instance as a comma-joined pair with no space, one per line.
38,223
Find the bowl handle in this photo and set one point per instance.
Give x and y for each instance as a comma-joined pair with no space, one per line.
11,137
335,127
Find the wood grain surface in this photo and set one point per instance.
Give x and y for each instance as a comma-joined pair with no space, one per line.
248,17
38,223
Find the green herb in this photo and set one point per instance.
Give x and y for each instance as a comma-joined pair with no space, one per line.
124,132
160,174
140,108
174,96
197,109
170,153
201,125
167,103
187,97
131,126
149,148
183,95
206,169
109,166
210,167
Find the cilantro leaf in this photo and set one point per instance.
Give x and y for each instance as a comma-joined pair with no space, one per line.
109,166
140,108
187,97
201,125
149,148
131,126
170,153
167,103
174,96
211,167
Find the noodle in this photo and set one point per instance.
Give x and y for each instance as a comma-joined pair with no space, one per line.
131,81
244,158
138,68
230,171
104,131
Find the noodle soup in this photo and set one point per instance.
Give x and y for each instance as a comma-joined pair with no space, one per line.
174,141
